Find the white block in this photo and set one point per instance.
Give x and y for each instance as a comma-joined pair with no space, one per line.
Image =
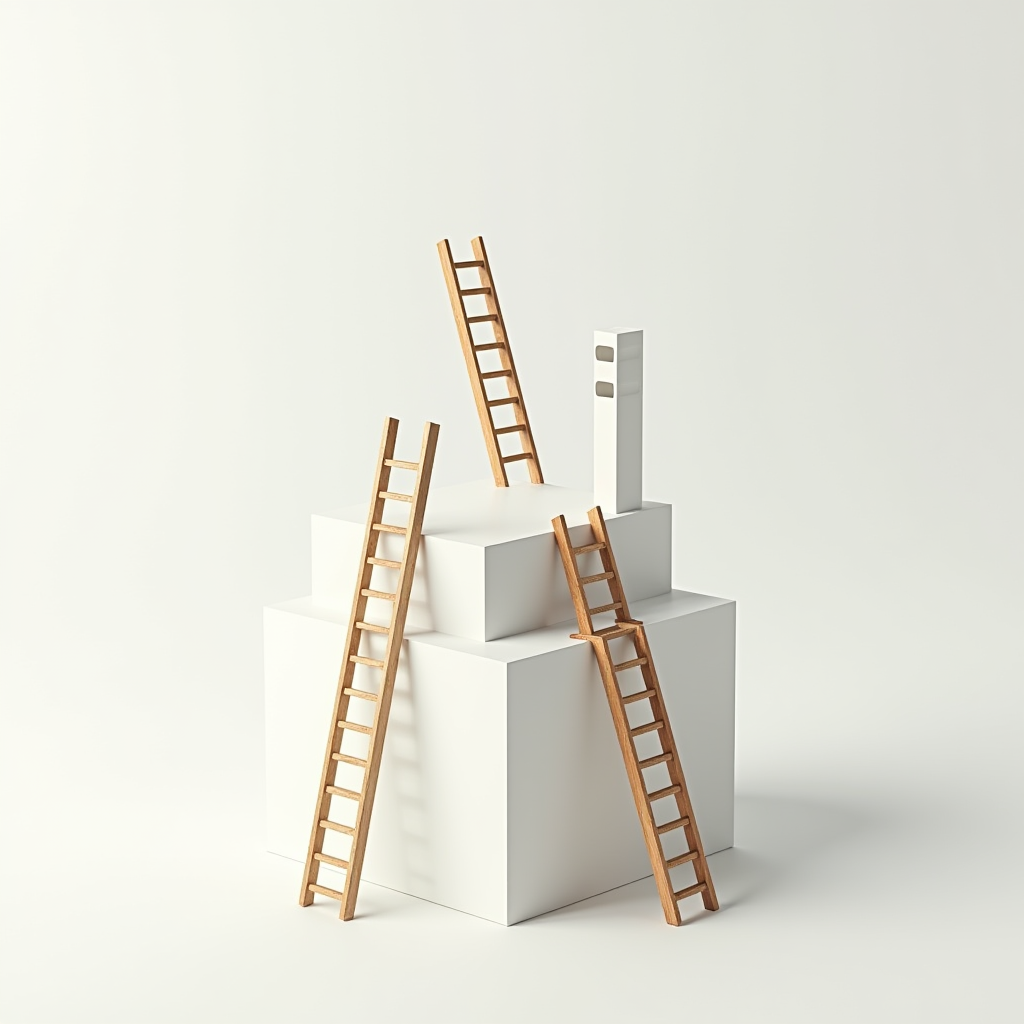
618,420
488,565
502,791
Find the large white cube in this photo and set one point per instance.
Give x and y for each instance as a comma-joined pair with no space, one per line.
488,565
502,791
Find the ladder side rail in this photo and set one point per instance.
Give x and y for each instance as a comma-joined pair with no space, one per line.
596,517
572,575
507,362
634,628
637,783
389,671
472,362
341,699
675,771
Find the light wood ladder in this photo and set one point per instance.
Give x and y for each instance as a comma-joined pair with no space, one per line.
387,666
471,349
632,630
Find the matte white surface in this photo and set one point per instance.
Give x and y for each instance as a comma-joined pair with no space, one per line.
573,830
439,823
488,565
218,218
618,420
502,791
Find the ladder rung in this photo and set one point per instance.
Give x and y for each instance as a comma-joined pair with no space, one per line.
349,759
388,528
481,319
611,632
336,861
377,593
348,794
474,291
683,858
650,762
632,663
660,794
393,496
360,660
398,464
511,430
518,457
608,608
495,373
670,825
324,891
372,627
511,400
466,264
335,827
596,546
488,346
356,728
388,563
365,694
642,695
584,580
649,727
691,890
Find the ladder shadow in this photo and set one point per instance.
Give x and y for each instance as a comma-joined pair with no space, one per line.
420,601
779,839
408,787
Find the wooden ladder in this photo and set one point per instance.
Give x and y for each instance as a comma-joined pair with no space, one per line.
387,665
506,371
633,630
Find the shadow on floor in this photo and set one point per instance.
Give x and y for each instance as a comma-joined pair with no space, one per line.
778,840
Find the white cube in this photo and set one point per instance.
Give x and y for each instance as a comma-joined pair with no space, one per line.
502,791
488,564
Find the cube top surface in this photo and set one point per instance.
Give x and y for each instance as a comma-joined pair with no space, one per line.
523,646
482,515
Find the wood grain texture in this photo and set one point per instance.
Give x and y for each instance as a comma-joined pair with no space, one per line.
632,629
386,666
471,349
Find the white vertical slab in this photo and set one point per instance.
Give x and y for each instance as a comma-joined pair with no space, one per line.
618,419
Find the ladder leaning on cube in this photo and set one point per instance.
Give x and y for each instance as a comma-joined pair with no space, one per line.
601,639
387,666
506,371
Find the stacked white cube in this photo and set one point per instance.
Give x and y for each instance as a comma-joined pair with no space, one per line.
502,791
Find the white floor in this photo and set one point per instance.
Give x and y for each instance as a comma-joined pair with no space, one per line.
876,877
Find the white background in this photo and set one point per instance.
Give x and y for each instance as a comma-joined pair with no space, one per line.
218,276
